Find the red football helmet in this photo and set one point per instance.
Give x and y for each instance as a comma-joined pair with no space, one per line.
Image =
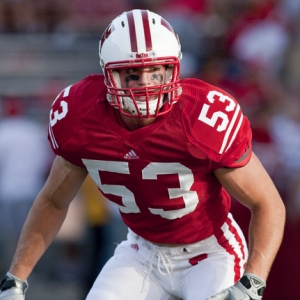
140,38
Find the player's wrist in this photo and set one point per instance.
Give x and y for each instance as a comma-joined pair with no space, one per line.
253,283
10,281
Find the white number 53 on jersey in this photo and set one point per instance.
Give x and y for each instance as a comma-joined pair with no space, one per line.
219,120
150,172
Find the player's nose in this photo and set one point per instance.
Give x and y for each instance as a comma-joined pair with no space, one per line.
144,78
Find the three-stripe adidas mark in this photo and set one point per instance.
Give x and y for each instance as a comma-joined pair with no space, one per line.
131,155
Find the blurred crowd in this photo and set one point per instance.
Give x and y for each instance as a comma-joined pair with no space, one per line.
250,48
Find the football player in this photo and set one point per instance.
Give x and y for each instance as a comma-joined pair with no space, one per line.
169,153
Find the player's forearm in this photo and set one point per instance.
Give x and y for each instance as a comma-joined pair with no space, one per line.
252,186
41,227
265,236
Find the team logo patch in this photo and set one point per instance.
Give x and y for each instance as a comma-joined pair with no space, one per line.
105,35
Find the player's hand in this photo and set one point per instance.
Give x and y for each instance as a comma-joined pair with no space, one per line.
250,287
13,288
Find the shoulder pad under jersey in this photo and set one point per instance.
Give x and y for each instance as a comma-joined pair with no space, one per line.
216,121
67,111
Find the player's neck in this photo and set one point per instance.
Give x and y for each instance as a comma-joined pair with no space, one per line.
135,123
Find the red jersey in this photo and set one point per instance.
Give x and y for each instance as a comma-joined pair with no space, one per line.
160,176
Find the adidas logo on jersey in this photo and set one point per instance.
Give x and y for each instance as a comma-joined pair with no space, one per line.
131,155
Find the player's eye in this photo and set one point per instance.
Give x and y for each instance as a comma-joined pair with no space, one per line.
131,70
155,68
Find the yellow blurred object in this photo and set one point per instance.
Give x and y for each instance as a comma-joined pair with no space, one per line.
97,211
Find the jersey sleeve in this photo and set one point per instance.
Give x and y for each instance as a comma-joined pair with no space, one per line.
64,120
218,126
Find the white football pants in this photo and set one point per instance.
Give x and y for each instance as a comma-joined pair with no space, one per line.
141,270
